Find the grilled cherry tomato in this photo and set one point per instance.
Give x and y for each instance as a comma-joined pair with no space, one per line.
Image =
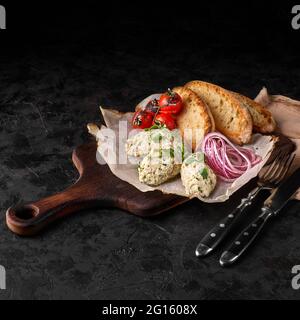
165,119
170,102
142,119
152,106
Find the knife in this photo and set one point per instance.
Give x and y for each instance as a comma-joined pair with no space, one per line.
272,206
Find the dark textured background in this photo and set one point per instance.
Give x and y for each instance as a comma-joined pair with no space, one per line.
56,68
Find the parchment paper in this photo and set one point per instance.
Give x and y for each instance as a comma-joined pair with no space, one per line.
286,113
263,146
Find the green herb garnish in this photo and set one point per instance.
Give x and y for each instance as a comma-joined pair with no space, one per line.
167,152
190,160
172,154
200,157
157,137
195,157
155,126
204,173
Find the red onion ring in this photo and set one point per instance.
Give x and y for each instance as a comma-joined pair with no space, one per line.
228,161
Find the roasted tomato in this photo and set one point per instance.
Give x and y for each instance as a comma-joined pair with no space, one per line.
170,102
142,119
152,106
165,119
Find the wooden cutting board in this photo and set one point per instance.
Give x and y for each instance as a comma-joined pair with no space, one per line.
96,187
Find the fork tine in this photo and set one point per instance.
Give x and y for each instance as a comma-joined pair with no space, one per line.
286,168
270,168
281,167
273,168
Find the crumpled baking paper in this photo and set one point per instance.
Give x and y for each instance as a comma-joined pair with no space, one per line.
286,112
262,145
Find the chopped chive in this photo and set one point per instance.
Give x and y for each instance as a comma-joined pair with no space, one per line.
204,173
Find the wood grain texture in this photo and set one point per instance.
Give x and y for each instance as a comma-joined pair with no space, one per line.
96,187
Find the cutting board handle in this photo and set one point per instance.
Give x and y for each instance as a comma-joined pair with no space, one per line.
95,187
30,218
87,192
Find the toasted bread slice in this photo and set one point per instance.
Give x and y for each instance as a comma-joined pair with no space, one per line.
232,118
195,120
263,120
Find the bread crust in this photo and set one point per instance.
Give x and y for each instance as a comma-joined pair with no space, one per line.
263,120
195,115
232,118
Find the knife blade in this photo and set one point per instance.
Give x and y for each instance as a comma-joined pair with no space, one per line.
272,206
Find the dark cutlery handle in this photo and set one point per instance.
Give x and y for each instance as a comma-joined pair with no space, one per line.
212,239
245,238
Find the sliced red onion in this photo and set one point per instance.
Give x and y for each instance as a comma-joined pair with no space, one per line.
228,161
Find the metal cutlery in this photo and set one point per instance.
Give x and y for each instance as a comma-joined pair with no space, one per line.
272,206
268,179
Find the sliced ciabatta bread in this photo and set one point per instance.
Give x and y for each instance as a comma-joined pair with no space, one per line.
263,120
231,117
195,120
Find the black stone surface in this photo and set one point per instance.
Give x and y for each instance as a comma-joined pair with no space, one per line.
50,91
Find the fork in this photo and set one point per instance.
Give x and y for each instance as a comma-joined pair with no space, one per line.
254,228
268,180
